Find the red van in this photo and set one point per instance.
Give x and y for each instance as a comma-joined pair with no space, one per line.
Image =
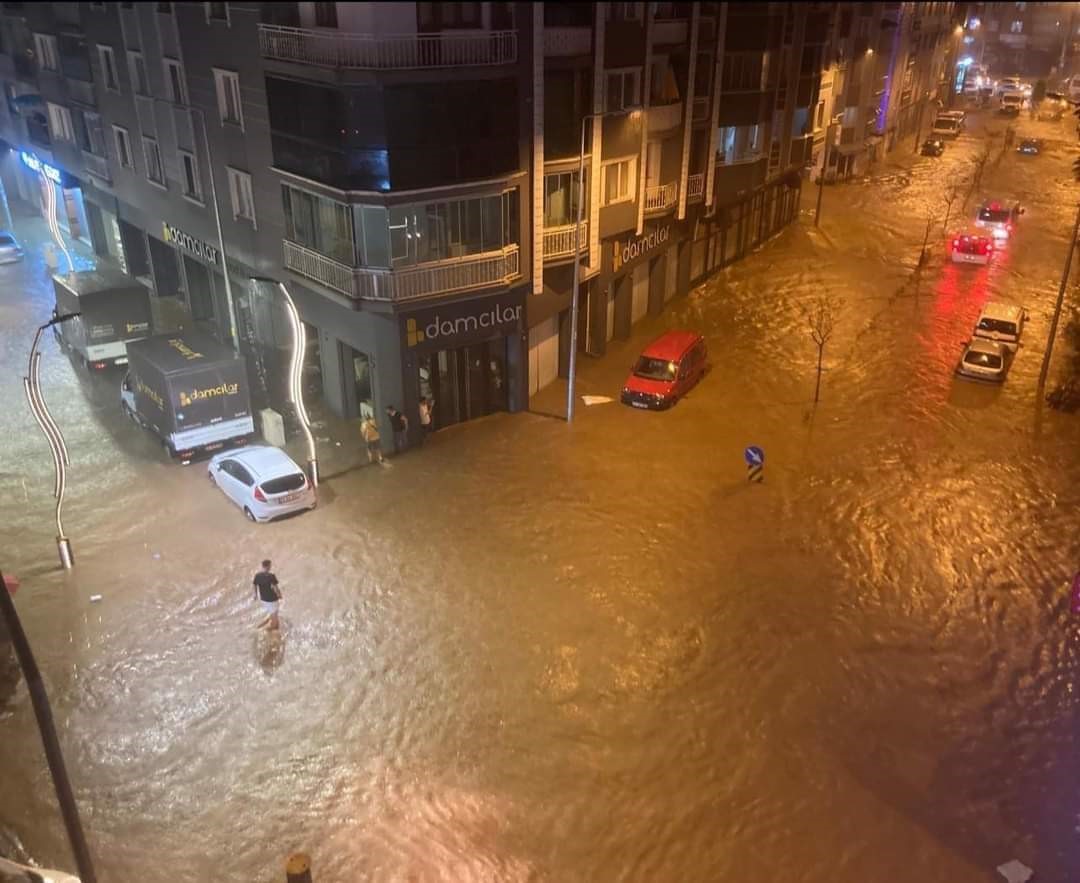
667,369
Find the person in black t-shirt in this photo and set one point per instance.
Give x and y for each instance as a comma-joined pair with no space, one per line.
400,424
268,594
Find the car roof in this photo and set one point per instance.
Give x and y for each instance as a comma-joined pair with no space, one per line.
263,461
1001,311
973,233
671,344
982,345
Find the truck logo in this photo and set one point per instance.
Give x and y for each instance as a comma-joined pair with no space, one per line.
184,350
101,330
151,394
137,326
225,389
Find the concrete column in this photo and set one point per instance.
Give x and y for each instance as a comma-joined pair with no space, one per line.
646,83
688,108
538,148
597,134
718,82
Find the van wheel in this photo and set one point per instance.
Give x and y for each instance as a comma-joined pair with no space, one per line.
247,512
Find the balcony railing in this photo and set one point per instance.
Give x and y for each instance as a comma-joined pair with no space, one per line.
559,241
567,41
96,165
695,187
409,283
701,109
662,197
387,51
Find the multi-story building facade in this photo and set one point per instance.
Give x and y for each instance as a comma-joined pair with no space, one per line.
410,170
1024,39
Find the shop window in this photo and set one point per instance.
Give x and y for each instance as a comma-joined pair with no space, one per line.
617,180
152,157
622,89
189,176
227,84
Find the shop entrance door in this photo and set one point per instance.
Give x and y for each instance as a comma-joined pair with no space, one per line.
464,383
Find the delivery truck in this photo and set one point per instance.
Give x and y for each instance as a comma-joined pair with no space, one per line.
113,308
190,391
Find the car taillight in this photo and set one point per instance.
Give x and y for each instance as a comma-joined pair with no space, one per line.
956,243
99,365
259,495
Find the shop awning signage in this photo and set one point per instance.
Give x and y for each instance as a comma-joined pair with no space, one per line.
627,251
457,324
32,162
175,236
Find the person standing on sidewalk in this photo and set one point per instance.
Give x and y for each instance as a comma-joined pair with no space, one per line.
400,424
268,595
369,432
425,418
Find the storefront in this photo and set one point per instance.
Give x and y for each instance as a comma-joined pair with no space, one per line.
25,177
196,270
468,357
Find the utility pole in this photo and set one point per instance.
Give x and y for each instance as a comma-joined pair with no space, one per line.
824,167
1058,305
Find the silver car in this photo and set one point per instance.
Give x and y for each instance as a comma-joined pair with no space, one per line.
263,481
10,250
984,360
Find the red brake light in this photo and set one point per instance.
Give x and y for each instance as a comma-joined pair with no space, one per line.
259,495
956,243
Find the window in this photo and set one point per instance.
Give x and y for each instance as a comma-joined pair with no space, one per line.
325,15
217,12
165,8
617,180
820,115
45,49
140,85
108,68
152,156
622,89
227,84
447,16
318,223
243,202
123,147
561,198
624,12
174,81
738,143
189,178
1017,27
743,72
60,124
438,230
89,133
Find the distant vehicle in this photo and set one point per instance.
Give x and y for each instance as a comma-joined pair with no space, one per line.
190,391
957,115
1052,109
945,127
666,370
17,873
999,219
263,481
10,250
984,360
114,310
1001,323
932,147
1008,84
1030,147
1011,103
972,247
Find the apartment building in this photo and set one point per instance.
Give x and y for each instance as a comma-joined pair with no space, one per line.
410,170
1024,39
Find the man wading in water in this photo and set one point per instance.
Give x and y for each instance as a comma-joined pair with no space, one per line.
268,594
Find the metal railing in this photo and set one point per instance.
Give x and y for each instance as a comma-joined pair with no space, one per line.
387,51
559,241
661,197
408,283
695,187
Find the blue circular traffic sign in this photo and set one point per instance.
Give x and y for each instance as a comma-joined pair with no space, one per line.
754,456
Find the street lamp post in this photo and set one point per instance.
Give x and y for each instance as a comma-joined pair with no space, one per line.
1060,300
32,388
217,221
574,294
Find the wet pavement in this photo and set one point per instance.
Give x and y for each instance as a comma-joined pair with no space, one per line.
534,651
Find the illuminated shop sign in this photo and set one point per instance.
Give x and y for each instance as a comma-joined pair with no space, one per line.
32,162
177,237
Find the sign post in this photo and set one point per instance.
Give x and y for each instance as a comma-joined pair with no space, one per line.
755,463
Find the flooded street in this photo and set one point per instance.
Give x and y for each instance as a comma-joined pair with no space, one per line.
533,651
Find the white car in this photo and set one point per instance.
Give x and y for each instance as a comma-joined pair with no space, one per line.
10,250
998,218
984,360
1002,323
971,247
263,481
16,873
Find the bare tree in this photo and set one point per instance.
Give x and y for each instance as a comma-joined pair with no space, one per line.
976,179
926,236
951,195
821,315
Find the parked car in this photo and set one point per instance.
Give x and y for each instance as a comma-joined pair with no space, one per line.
1030,147
998,218
1001,323
666,370
972,247
945,127
933,147
958,115
263,481
984,360
10,250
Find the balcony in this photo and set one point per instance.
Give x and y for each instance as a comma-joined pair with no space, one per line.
662,197
559,241
663,117
98,166
387,51
567,41
406,284
695,187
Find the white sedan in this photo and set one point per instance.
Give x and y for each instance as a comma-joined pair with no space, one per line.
984,360
263,481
